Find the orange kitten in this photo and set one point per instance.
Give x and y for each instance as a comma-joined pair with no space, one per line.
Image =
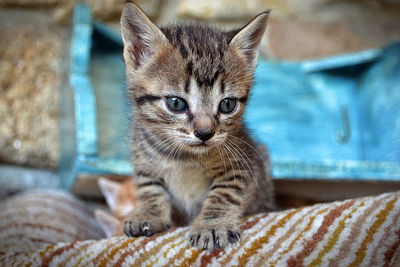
121,198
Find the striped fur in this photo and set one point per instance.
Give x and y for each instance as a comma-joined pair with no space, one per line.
358,232
198,163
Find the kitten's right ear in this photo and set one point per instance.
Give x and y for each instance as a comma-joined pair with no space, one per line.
110,191
139,35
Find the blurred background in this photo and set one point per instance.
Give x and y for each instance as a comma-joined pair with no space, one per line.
35,38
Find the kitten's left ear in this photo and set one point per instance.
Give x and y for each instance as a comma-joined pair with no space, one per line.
139,34
249,37
110,191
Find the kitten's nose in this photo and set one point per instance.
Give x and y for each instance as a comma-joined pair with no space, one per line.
204,127
204,134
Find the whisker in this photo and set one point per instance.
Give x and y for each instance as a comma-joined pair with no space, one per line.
241,155
236,160
233,169
250,168
171,145
162,169
154,152
154,135
250,146
222,158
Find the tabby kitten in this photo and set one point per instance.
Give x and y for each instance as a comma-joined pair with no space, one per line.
192,155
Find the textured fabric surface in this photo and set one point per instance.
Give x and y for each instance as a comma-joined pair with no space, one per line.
36,219
358,232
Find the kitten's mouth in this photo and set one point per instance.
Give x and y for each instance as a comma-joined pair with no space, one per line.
199,148
203,146
200,145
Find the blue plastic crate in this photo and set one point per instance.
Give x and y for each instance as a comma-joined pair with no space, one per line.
333,118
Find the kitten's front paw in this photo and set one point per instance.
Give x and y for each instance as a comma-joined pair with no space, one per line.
209,238
142,225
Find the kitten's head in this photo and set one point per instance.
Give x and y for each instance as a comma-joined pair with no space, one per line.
189,82
121,199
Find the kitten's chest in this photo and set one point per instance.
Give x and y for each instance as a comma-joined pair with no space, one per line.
189,188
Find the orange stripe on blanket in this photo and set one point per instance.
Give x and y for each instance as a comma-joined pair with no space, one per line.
258,243
249,224
42,254
345,245
381,217
146,255
206,258
334,238
122,257
190,260
263,258
301,234
136,248
46,261
178,255
47,249
310,245
125,244
81,258
103,251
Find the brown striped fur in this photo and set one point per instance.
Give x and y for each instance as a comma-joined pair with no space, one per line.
211,182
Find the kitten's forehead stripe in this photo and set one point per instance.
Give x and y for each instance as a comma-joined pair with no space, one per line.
187,86
182,48
203,49
209,80
189,68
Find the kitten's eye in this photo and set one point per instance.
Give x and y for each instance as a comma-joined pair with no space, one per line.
176,103
227,105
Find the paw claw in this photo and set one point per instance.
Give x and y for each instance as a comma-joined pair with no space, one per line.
146,229
206,243
233,237
142,225
213,233
216,243
192,241
214,238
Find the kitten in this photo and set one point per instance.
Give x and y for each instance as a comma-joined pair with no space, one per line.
192,154
121,198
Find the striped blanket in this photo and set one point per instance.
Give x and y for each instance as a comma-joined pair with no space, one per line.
43,228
